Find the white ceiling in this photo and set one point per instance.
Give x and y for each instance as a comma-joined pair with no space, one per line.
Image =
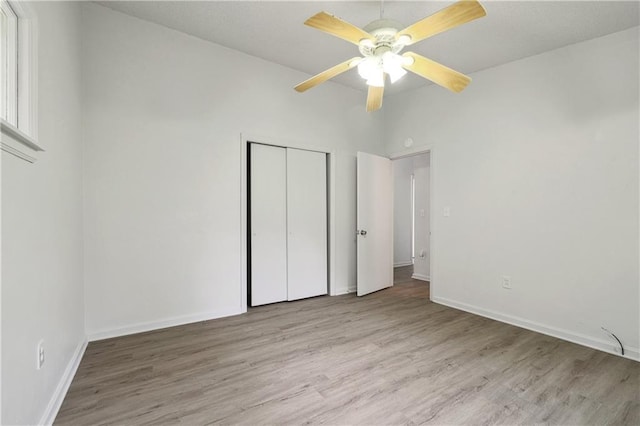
274,30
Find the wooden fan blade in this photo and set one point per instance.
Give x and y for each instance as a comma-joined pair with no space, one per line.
374,98
450,17
326,75
438,73
337,27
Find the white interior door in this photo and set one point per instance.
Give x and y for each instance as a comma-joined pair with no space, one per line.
307,223
268,224
375,223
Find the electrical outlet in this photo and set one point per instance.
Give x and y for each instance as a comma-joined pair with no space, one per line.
40,355
506,282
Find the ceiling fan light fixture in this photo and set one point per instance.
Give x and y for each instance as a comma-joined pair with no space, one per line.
368,67
396,74
392,65
376,79
373,68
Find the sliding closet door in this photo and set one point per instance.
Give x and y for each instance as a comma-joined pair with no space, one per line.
307,223
268,224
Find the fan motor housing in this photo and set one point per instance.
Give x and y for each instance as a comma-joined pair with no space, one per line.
383,24
384,31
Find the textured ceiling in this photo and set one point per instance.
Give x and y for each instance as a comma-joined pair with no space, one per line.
274,30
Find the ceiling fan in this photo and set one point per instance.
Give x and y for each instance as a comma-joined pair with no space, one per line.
380,43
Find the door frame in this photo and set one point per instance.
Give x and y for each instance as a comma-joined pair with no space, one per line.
245,140
411,152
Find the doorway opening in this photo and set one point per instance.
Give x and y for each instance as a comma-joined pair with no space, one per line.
412,219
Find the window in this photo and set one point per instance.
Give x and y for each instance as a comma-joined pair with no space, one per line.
9,61
18,66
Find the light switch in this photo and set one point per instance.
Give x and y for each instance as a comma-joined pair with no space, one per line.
421,212
447,211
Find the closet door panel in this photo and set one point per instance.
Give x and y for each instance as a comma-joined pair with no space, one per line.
307,223
268,224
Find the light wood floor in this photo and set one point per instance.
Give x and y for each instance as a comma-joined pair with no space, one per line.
392,357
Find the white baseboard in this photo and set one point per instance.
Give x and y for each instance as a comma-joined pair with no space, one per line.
421,277
165,323
400,264
580,339
57,398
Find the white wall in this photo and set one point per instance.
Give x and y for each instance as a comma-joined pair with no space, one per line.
163,116
538,161
42,291
402,217
421,266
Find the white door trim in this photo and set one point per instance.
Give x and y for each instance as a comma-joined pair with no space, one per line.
432,211
246,138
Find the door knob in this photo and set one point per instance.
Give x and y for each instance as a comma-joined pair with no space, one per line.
362,232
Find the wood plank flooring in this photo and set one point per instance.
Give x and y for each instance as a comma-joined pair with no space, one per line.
392,357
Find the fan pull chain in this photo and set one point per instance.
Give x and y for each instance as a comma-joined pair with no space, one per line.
381,9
